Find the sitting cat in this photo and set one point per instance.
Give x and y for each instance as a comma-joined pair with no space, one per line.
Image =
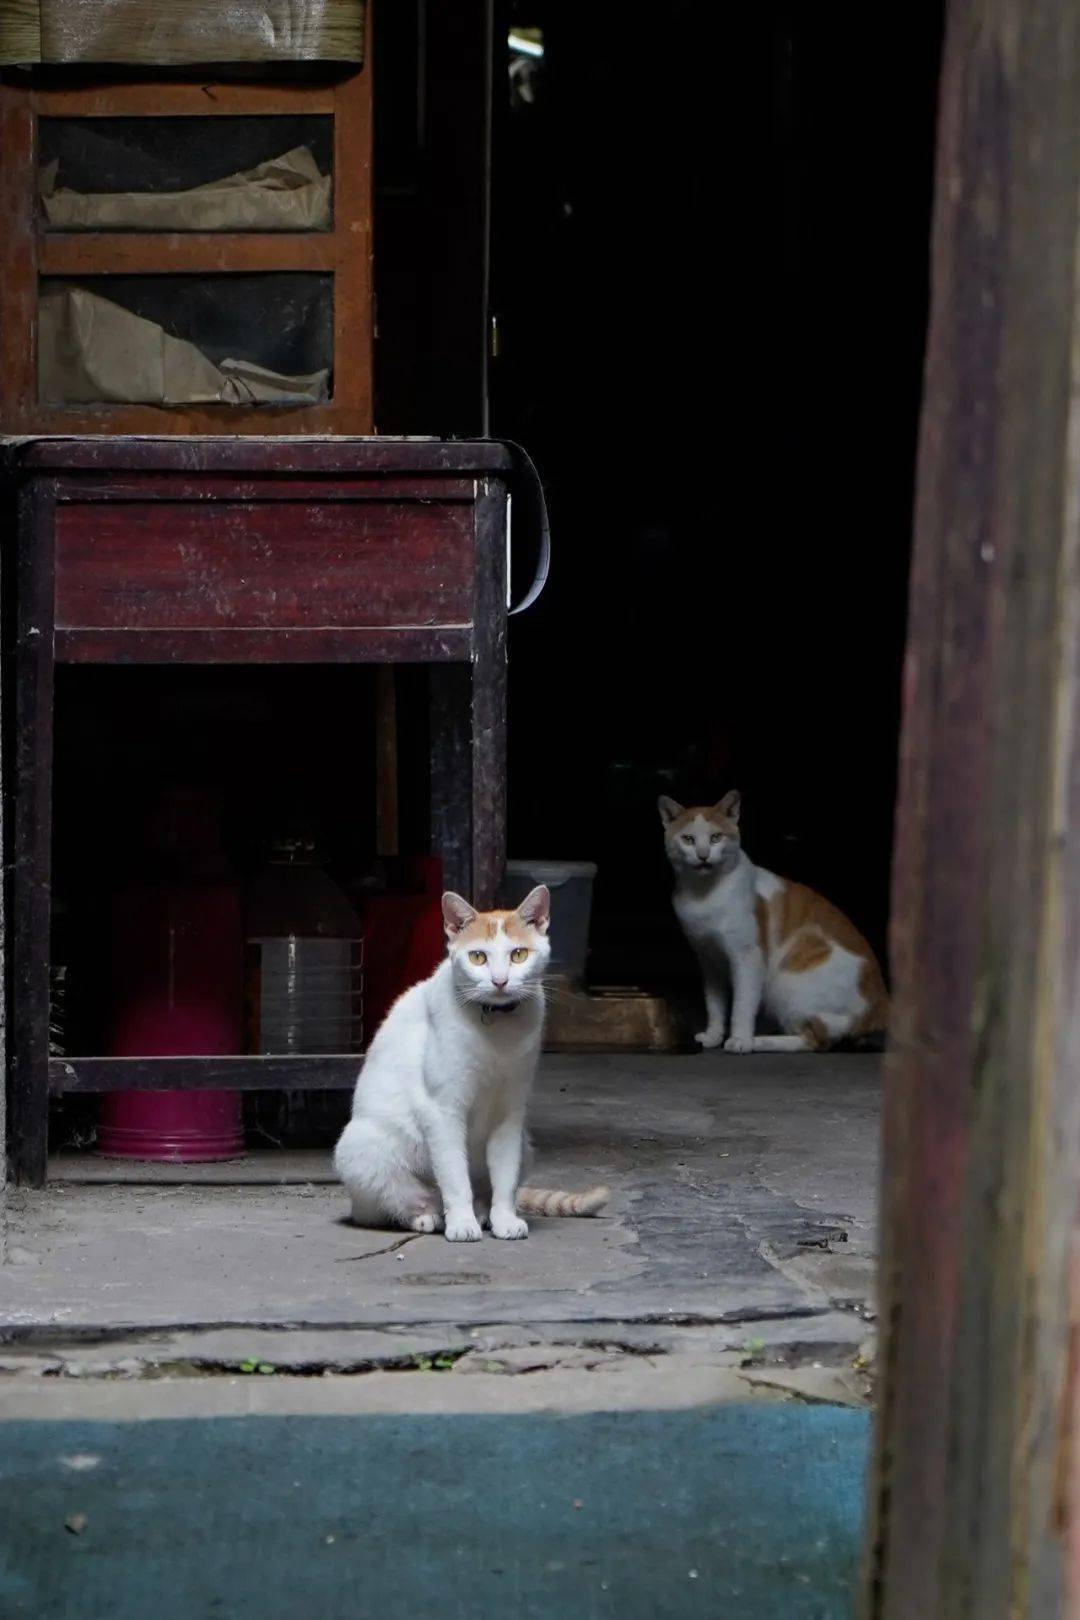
437,1136
777,945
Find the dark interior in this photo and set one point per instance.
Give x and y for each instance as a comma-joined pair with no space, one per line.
710,270
708,273
171,154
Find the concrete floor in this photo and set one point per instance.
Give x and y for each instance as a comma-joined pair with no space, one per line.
738,1245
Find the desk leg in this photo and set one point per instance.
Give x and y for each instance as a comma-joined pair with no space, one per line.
489,696
33,839
451,774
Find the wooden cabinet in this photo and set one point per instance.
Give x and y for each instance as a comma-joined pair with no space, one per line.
251,551
152,322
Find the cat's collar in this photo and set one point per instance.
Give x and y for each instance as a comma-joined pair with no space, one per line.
498,1007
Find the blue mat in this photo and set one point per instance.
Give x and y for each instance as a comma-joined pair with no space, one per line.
727,1513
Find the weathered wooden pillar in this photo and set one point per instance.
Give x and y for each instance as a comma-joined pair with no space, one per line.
3,994
974,1483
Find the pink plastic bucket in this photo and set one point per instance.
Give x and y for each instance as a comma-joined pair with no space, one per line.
177,1127
180,1127
178,992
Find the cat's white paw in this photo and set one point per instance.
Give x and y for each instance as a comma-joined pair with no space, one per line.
709,1039
463,1228
508,1225
739,1043
427,1222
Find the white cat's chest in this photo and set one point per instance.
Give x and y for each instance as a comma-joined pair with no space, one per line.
720,914
479,1055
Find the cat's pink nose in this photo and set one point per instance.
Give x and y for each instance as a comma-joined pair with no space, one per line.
500,984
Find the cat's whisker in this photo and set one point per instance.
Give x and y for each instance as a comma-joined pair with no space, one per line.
555,988
555,994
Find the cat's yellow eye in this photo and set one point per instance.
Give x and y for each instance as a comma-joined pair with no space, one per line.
478,958
688,838
716,837
519,954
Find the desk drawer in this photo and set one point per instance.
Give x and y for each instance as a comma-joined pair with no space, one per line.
273,564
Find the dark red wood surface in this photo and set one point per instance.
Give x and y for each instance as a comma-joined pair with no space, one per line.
174,565
118,486
339,457
489,696
442,644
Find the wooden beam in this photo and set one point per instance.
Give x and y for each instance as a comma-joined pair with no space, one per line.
489,697
129,253
411,644
18,306
32,900
338,458
972,1491
164,100
336,1072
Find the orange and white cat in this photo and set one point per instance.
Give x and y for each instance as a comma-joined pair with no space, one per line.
437,1138
766,945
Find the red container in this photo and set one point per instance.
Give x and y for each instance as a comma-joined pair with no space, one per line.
178,952
403,939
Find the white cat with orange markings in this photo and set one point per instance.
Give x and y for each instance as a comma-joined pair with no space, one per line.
765,944
437,1137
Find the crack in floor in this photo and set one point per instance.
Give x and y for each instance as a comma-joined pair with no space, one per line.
373,1254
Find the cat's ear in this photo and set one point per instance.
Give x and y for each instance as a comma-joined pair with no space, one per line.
668,808
730,805
456,913
536,908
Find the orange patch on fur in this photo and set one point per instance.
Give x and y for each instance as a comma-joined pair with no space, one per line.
729,828
483,927
521,931
798,913
486,924
796,907
809,949
875,1020
815,1034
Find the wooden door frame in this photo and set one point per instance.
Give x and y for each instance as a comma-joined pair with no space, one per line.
974,1479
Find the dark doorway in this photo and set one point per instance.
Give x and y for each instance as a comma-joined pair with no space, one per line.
710,279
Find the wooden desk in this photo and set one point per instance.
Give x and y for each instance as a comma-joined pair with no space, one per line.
244,551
